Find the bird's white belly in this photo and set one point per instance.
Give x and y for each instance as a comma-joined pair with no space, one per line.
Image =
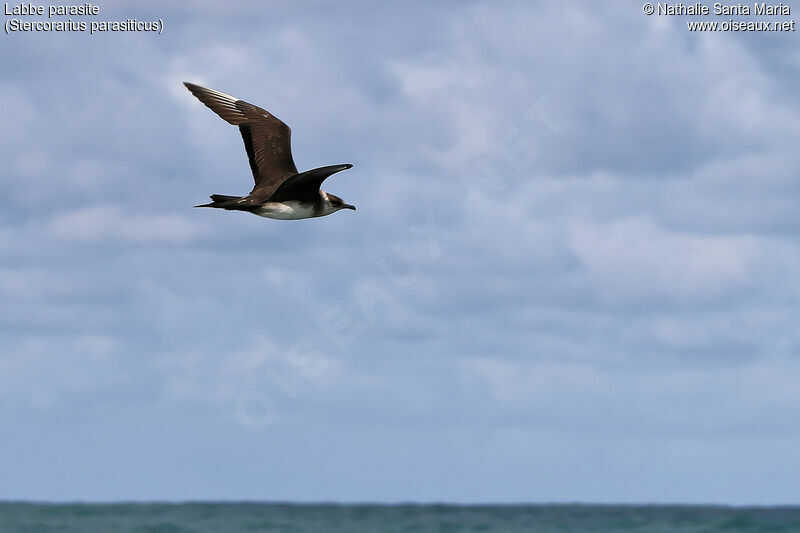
290,210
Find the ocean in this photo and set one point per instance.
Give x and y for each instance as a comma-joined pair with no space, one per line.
285,518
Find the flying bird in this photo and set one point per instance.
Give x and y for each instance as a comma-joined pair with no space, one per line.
280,191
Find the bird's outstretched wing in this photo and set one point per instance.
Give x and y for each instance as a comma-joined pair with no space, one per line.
305,186
267,140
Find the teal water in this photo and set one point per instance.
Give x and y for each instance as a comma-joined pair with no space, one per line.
285,518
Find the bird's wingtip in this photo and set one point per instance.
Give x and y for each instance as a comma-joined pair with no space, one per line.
191,86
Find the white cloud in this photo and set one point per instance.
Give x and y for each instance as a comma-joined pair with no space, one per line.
111,224
45,372
720,399
21,114
34,284
635,261
221,377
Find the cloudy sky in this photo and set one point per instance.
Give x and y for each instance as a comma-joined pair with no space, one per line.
573,275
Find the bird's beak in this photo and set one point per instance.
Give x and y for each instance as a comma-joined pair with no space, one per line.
348,206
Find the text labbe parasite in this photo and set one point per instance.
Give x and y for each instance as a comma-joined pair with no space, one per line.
82,10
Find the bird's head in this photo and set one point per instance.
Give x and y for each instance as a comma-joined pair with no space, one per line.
335,203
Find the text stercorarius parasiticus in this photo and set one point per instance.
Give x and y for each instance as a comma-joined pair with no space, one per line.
280,191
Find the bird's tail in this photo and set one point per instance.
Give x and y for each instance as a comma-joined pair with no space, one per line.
222,201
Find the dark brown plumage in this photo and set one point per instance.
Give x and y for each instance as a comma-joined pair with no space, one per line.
267,142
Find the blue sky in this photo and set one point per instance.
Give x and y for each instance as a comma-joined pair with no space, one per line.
572,276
